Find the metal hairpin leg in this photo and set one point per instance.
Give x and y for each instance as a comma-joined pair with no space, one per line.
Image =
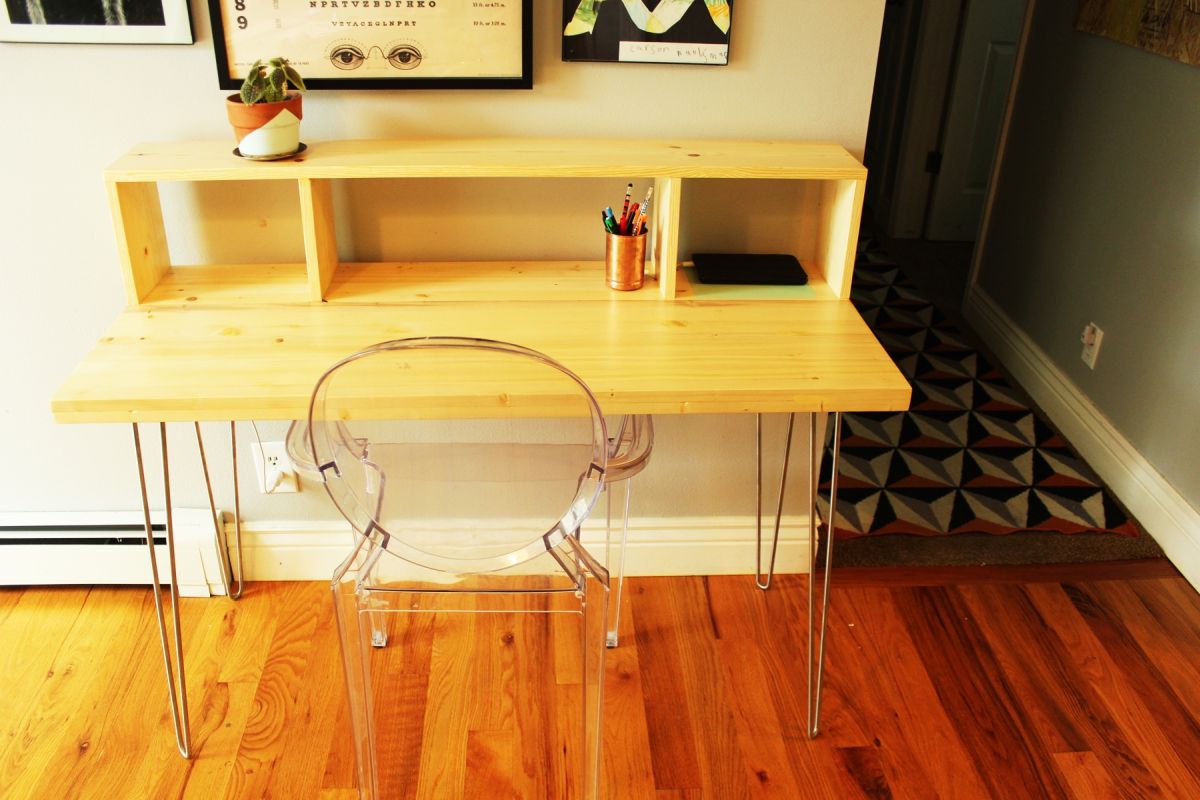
176,683
814,698
816,670
237,510
228,573
760,580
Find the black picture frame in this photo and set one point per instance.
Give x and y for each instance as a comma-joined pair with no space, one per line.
612,32
125,22
229,79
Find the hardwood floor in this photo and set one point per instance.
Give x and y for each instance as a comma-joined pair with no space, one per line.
1078,682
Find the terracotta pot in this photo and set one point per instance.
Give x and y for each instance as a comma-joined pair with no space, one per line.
266,129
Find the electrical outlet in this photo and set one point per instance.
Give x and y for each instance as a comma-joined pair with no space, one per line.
275,471
1091,337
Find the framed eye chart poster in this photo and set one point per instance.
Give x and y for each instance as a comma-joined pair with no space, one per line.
647,31
379,44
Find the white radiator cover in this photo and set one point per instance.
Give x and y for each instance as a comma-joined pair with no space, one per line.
77,547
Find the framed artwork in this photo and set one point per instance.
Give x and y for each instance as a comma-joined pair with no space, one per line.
96,21
379,44
647,31
1169,28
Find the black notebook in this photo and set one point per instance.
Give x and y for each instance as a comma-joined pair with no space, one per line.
749,268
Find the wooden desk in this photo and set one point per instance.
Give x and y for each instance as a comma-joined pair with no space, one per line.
231,341
180,364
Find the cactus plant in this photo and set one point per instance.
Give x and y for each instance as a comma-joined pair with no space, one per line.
268,82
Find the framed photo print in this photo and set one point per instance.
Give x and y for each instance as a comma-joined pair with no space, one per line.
96,21
1166,27
647,31
379,44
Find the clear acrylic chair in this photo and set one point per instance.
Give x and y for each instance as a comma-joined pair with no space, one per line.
472,620
630,443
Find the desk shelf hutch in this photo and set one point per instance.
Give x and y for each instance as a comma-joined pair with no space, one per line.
827,219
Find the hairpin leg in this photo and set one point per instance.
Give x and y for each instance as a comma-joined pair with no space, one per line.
237,512
814,699
227,571
176,683
761,580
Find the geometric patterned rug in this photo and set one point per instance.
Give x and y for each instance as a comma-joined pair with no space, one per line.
970,455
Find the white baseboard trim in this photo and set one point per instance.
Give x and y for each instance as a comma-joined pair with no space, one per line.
287,550
1165,514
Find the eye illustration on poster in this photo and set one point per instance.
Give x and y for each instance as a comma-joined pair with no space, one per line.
647,31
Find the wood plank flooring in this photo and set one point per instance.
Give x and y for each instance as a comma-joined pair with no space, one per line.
1062,682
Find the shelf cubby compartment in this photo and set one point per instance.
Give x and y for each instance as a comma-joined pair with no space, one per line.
211,229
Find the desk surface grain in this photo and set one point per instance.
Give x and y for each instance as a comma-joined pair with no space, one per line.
261,361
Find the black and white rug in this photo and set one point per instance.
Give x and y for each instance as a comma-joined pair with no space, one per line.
970,455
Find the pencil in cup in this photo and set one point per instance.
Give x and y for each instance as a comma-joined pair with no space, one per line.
639,225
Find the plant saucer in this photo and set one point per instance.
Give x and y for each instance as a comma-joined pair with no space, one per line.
279,157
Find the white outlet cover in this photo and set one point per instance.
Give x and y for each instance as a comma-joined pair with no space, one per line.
273,455
1091,350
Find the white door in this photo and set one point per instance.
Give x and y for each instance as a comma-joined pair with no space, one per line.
974,115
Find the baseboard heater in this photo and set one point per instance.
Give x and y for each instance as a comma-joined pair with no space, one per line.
109,547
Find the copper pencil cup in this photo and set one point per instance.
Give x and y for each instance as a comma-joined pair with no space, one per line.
625,261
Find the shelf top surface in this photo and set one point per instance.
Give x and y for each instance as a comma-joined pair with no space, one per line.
495,157
261,361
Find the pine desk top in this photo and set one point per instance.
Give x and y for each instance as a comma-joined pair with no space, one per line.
260,361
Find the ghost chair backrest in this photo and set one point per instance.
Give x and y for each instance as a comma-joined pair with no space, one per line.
458,455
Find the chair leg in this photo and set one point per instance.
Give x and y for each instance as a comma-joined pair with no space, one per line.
379,637
614,558
176,682
594,628
358,680
376,620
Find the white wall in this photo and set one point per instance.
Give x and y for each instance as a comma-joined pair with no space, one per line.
799,69
1096,218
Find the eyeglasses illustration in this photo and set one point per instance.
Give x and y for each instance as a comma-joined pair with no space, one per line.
346,56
